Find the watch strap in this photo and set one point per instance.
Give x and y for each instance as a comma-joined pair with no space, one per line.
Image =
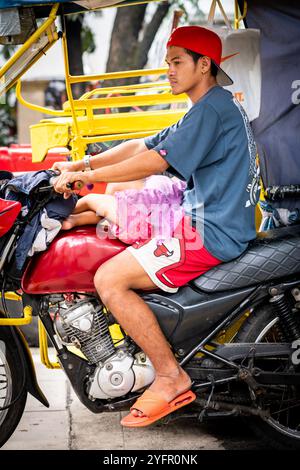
86,161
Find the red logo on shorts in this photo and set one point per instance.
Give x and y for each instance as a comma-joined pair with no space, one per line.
162,250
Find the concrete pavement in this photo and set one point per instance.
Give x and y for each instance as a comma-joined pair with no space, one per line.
67,424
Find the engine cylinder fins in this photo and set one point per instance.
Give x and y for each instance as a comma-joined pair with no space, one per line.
85,326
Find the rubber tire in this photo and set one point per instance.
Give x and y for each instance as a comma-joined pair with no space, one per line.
14,413
249,332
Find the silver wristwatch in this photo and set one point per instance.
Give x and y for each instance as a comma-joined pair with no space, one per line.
86,161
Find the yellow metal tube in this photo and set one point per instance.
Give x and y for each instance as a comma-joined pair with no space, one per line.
77,146
131,4
11,296
35,107
117,75
129,135
129,101
237,16
161,86
44,356
27,317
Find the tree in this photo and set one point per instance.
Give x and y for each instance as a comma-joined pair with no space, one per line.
132,36
8,126
127,50
8,122
80,39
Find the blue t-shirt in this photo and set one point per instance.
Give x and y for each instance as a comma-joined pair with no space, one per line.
212,147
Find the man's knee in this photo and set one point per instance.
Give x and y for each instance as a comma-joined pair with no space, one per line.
107,283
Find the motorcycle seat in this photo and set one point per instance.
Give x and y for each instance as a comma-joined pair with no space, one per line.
272,255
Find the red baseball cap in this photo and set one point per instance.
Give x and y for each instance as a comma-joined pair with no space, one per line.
204,42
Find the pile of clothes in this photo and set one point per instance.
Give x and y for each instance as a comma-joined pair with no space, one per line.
47,222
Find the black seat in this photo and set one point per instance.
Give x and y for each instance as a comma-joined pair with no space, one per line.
271,255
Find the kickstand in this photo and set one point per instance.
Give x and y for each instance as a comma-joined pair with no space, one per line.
203,412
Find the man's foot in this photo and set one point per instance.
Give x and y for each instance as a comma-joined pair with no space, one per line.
151,406
168,387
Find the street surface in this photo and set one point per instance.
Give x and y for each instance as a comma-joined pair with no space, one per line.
67,424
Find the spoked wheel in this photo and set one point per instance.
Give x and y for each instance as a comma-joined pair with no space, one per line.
282,427
11,383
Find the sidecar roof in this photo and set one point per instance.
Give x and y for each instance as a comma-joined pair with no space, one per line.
43,7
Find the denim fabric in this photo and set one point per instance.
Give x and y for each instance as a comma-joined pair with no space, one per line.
58,208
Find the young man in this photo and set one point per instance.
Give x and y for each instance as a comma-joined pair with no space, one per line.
212,148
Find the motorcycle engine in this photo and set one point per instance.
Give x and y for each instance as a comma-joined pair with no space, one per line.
84,324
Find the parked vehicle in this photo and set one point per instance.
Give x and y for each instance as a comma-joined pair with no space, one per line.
235,330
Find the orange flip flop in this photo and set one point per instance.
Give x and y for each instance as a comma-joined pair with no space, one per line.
154,408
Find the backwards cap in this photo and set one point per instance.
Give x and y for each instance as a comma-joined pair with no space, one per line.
204,42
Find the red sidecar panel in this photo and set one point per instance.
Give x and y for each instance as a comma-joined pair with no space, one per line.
70,263
9,211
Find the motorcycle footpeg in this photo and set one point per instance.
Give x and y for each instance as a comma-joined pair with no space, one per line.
212,414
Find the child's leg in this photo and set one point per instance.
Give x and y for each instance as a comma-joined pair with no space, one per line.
90,209
103,204
112,188
84,218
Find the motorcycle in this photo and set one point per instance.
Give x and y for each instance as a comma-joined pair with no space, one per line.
235,330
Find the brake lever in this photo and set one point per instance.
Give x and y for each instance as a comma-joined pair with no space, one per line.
75,186
45,188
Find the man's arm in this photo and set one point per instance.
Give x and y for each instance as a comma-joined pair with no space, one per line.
119,153
137,167
134,168
116,154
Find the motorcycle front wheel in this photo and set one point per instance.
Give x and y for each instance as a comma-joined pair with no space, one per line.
11,386
282,428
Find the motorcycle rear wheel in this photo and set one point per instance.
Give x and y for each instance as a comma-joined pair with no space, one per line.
282,428
11,381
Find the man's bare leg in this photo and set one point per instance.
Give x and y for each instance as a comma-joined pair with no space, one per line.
115,281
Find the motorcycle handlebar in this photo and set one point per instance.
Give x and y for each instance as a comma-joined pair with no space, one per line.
75,186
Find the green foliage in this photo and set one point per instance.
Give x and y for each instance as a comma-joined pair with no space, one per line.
8,121
8,127
87,38
191,11
87,35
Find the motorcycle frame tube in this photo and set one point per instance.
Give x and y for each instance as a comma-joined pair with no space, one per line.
11,296
249,303
260,292
43,343
25,320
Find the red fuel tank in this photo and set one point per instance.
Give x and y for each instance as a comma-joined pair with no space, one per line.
70,262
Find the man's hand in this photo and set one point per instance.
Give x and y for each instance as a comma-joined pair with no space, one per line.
61,183
67,166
